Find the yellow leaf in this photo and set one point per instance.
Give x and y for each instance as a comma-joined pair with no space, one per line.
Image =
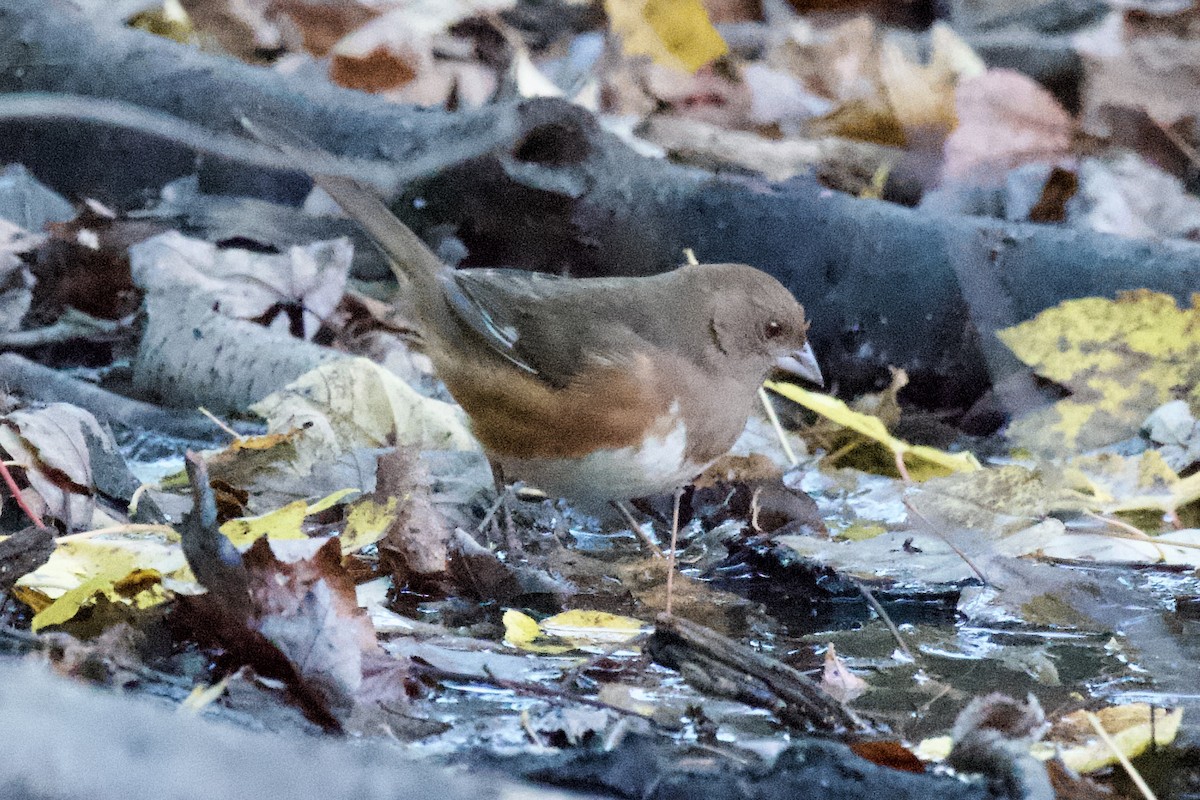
935,748
140,589
522,631
860,531
1120,358
204,695
352,403
170,21
367,523
674,33
81,557
282,523
922,462
570,630
520,628
583,627
1129,726
67,606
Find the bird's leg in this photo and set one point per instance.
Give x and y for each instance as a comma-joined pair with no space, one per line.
504,497
671,552
638,530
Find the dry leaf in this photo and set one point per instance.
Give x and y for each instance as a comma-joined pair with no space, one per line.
305,604
50,445
125,567
1120,358
1126,195
417,540
280,524
1139,61
921,461
838,681
1005,119
891,97
674,33
293,291
1130,727
354,403
571,630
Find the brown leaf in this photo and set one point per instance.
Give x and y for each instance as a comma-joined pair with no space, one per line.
50,444
304,603
1060,187
378,65
85,265
1005,119
889,754
321,24
1142,61
418,542
288,609
838,681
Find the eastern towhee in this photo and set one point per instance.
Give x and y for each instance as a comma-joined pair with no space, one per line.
595,389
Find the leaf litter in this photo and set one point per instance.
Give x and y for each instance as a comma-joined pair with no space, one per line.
1051,568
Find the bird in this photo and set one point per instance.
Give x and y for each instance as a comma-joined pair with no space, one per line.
598,389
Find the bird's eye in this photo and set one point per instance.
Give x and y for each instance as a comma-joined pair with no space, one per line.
773,329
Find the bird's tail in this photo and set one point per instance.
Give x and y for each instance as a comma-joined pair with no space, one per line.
410,259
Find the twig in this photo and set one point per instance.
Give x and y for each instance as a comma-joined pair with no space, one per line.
774,420
638,531
491,512
73,325
1136,533
1134,775
957,551
16,493
715,663
527,726
754,509
220,423
133,527
872,601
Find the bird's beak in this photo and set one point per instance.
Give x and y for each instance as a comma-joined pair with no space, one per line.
801,364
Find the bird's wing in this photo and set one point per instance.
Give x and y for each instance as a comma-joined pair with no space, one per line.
519,315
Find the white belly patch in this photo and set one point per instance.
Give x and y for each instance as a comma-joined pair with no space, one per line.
658,465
